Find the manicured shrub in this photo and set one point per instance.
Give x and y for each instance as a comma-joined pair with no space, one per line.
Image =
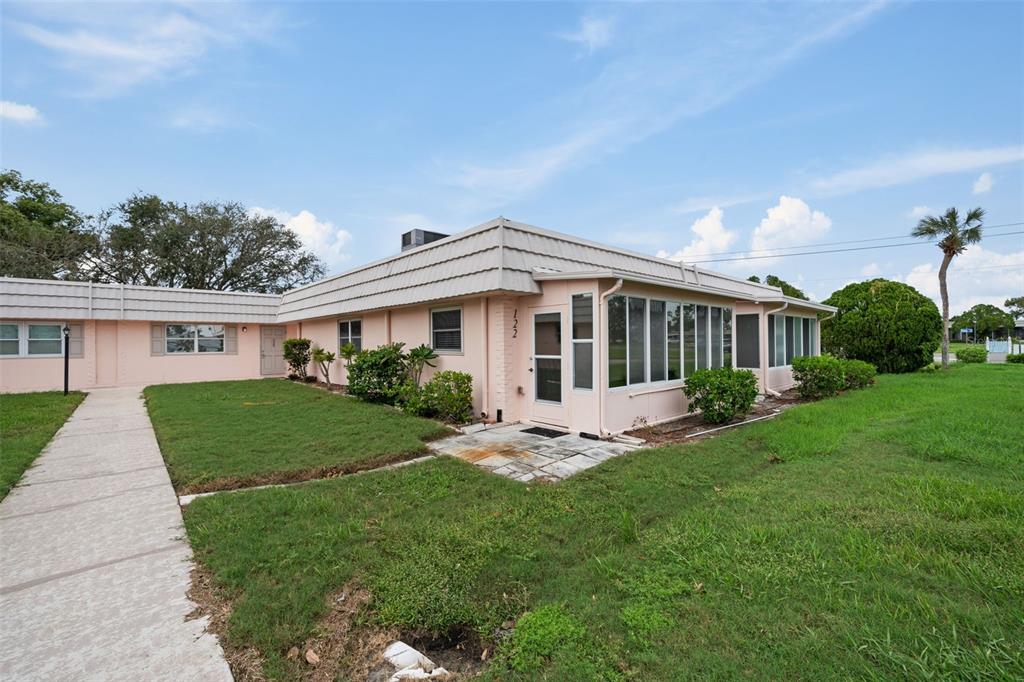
448,396
889,324
378,375
1015,358
972,354
298,353
721,394
818,376
858,374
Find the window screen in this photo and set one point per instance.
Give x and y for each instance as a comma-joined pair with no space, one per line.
702,337
789,340
674,341
659,349
9,339
807,337
351,331
748,341
616,341
689,338
637,312
716,337
446,329
583,341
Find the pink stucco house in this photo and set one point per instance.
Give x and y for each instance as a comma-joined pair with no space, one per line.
555,329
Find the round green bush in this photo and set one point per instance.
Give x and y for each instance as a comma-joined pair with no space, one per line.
378,375
859,374
889,324
818,376
972,354
1015,358
720,394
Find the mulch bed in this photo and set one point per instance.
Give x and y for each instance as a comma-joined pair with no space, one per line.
677,430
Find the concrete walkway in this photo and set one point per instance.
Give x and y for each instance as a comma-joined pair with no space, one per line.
94,566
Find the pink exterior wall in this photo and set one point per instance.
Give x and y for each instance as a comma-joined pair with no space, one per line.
118,353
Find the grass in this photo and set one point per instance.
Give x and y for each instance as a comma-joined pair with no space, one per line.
27,423
954,346
888,543
236,433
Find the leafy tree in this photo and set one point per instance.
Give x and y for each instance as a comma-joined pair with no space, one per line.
41,236
954,235
1015,306
889,324
147,240
985,319
787,288
324,359
347,352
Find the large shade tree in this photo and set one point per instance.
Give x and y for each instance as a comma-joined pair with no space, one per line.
41,236
1015,305
147,240
787,288
953,236
985,320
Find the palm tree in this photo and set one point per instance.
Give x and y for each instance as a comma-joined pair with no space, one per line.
953,236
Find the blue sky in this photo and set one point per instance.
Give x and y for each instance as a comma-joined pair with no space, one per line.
681,129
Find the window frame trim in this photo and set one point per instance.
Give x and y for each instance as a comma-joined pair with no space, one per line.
195,338
23,338
573,341
349,321
462,333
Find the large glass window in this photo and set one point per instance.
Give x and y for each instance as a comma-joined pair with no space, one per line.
748,341
617,342
814,335
789,340
194,338
9,339
673,340
702,337
716,337
583,341
45,339
779,337
446,330
637,345
659,341
350,331
727,337
690,338
807,337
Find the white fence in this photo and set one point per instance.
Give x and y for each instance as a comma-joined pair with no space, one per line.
1007,346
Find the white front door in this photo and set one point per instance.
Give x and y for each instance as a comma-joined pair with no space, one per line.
272,351
549,366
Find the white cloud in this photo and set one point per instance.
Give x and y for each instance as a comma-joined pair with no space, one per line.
917,166
871,270
593,33
19,113
978,275
710,236
669,69
983,185
790,223
113,49
319,236
919,212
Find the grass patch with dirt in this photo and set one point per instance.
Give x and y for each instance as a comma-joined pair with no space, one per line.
876,535
27,423
230,434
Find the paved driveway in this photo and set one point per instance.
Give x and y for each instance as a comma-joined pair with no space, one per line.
94,567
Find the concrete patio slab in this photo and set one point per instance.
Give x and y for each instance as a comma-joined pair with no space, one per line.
506,451
95,568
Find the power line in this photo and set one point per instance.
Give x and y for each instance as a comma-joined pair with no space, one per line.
813,253
851,241
952,271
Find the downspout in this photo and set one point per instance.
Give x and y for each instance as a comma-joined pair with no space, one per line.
764,370
485,309
600,361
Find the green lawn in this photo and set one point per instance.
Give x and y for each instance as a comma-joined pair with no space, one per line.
954,346
27,423
230,434
887,543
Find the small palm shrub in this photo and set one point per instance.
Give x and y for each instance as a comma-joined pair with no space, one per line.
1015,358
720,394
378,375
324,359
972,354
858,374
298,353
818,376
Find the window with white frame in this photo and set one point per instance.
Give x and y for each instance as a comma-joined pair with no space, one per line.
446,330
35,339
653,340
350,331
194,338
583,342
791,336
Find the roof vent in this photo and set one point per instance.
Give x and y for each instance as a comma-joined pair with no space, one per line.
414,238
